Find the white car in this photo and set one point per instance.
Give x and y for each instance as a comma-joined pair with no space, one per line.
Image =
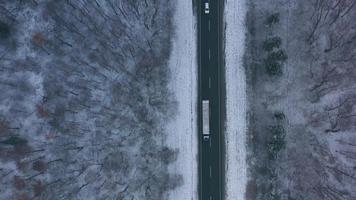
206,10
206,137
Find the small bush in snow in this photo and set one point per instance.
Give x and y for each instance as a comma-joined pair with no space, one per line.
4,30
274,62
279,116
14,140
279,55
277,136
276,142
273,68
272,19
271,43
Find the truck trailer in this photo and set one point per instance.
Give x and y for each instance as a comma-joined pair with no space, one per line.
206,120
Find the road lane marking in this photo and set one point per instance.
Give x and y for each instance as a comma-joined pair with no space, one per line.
209,82
209,25
209,54
210,171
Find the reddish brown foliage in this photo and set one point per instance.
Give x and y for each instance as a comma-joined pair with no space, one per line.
21,150
19,183
4,128
41,111
38,188
117,28
39,166
251,189
50,136
45,13
146,61
22,196
38,39
21,165
315,119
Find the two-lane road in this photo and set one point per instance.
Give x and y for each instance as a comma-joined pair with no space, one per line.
210,88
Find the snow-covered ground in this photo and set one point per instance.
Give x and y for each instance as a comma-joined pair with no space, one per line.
235,168
182,131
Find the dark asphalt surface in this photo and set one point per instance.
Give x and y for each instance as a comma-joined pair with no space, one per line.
210,88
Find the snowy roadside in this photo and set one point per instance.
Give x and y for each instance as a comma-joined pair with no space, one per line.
183,129
235,130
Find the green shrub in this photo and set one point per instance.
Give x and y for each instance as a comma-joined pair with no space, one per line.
14,140
274,61
271,43
279,116
279,55
272,19
276,142
273,196
4,30
273,68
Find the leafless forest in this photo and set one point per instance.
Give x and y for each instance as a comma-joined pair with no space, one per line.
301,65
83,99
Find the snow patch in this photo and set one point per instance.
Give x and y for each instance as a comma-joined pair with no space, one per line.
182,131
235,134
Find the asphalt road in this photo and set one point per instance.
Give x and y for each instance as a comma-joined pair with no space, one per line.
210,88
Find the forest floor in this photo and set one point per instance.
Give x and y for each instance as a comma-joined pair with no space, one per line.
300,74
236,104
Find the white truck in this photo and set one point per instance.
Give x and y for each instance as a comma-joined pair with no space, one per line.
206,8
206,120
